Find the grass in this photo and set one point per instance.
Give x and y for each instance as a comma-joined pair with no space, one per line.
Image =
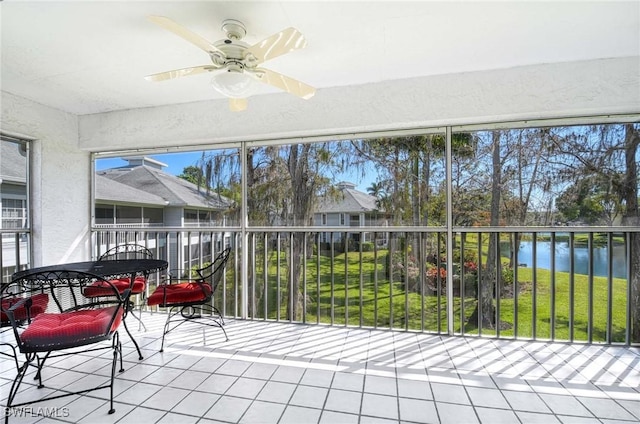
343,292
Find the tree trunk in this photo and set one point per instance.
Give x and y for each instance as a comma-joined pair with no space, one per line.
632,218
492,272
302,191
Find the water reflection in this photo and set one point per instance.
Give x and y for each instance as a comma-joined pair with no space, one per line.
580,255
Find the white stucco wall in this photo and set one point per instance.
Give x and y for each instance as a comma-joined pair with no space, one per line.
60,178
610,86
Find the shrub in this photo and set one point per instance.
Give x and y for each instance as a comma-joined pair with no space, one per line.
367,246
507,275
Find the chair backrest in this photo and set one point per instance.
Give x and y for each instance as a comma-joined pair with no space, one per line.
214,272
61,292
126,251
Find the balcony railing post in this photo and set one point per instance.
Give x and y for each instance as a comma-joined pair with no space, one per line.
552,313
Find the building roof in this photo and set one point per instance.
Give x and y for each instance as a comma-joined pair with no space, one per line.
348,200
171,190
113,191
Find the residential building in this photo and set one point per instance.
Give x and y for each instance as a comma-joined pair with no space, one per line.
352,209
141,195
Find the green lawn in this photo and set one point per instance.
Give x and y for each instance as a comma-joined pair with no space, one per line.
362,295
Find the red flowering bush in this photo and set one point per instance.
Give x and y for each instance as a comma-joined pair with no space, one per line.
432,273
470,266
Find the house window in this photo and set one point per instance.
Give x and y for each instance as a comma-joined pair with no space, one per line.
324,219
204,217
104,214
191,216
153,216
342,219
128,215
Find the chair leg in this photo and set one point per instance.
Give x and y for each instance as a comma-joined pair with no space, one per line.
38,375
165,330
124,322
117,349
172,312
14,356
131,306
217,311
199,314
140,323
219,321
225,333
16,384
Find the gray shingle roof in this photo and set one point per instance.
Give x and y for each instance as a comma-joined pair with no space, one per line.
172,190
348,200
113,191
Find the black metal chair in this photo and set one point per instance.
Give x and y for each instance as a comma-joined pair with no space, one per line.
128,251
54,318
10,295
189,298
137,287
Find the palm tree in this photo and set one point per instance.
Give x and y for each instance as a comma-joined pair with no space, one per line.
375,189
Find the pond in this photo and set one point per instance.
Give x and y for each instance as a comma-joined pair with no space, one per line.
580,257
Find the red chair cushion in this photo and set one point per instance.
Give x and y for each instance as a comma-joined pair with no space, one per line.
99,288
168,294
74,328
39,305
139,284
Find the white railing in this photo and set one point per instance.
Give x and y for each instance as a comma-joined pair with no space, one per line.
15,247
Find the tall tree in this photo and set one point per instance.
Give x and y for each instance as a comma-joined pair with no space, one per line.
631,218
193,174
493,269
609,153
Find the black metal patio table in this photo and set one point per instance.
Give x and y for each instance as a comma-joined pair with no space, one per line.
107,269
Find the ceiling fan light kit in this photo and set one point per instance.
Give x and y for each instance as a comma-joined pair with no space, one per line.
235,63
234,83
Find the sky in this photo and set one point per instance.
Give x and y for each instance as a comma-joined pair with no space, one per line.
176,162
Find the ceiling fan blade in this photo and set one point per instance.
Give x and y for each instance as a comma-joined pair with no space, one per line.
285,83
282,42
177,73
237,105
181,31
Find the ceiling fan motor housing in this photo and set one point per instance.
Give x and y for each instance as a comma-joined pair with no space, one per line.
235,30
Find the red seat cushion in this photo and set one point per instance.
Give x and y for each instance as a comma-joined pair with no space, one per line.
139,284
39,305
99,288
68,329
168,294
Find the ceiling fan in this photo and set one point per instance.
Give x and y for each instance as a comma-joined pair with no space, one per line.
235,63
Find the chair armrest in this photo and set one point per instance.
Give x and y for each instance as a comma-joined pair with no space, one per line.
25,303
124,295
180,274
29,307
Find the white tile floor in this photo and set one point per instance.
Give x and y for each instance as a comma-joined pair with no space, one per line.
287,373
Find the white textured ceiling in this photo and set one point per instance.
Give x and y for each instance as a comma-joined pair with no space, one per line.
88,57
